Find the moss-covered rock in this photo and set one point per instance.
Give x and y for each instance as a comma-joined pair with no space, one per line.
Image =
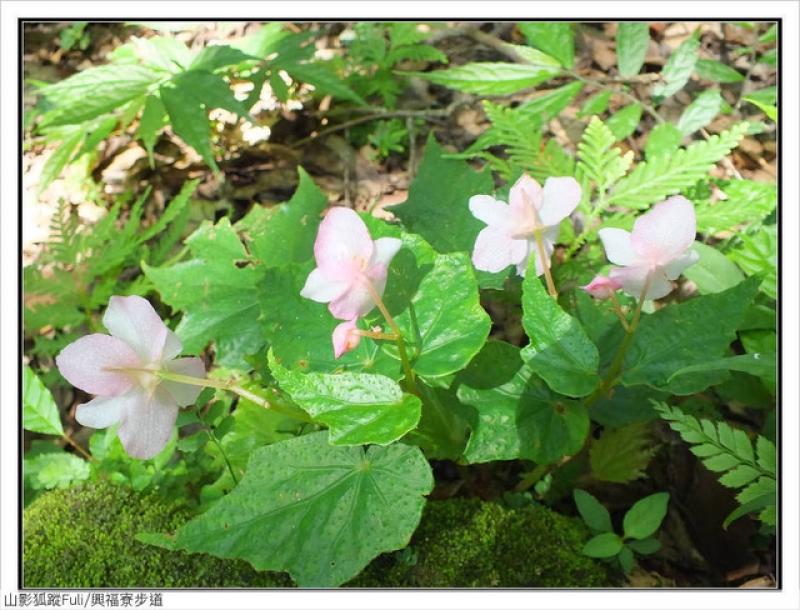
469,543
85,537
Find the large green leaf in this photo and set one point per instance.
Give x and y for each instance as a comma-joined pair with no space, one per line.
490,78
644,517
300,330
685,334
217,292
759,255
713,272
555,39
437,207
285,233
95,91
39,410
633,38
517,416
320,512
444,321
559,351
359,408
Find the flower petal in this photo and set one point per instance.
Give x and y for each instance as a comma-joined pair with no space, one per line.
356,302
633,279
493,212
525,193
344,338
172,346
147,423
617,243
561,197
495,250
184,393
385,250
343,246
88,364
101,412
322,289
664,233
676,267
134,320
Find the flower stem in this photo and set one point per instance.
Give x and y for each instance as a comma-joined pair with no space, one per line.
610,380
230,386
78,448
213,438
401,346
537,234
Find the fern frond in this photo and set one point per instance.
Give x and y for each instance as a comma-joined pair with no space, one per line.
599,161
724,449
666,175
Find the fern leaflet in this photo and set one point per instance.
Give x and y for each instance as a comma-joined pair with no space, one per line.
724,449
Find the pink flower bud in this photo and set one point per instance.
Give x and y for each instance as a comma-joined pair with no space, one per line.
345,337
602,287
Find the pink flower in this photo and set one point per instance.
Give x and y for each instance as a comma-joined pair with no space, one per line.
345,337
121,370
655,250
509,238
349,265
602,287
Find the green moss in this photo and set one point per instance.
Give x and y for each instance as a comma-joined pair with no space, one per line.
469,543
85,537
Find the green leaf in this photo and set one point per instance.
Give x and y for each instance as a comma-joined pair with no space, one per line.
94,92
59,159
633,38
645,517
594,514
758,256
721,462
597,104
555,39
97,135
559,350
757,365
664,139
217,291
285,233
740,476
769,109
646,546
517,416
716,71
444,321
218,56
152,120
535,57
678,69
189,120
667,174
600,160
767,458
489,78
39,410
705,107
625,121
685,334
626,560
437,207
603,545
713,272
56,470
443,428
621,455
359,408
757,496
744,201
318,74
320,512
